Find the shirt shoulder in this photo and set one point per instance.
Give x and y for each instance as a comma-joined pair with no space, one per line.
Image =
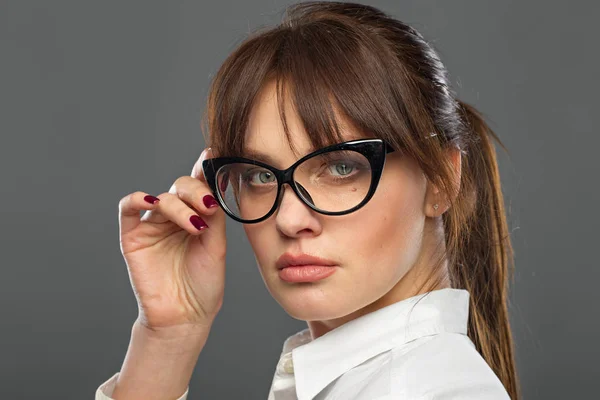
442,367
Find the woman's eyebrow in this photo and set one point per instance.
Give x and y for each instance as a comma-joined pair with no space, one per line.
255,155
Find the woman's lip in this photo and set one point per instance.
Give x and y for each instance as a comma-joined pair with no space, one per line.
288,260
306,273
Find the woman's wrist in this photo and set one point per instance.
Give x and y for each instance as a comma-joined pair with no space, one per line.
159,363
188,333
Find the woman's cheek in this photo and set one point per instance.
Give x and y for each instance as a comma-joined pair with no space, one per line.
262,244
392,235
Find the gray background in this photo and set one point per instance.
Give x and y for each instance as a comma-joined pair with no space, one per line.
99,99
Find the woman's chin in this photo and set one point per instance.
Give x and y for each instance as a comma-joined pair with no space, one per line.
306,306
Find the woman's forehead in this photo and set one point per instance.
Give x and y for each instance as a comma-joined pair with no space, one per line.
270,138
265,136
275,149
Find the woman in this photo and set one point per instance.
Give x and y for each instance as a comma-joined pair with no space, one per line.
371,198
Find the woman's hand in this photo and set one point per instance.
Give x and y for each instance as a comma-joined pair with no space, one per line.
177,271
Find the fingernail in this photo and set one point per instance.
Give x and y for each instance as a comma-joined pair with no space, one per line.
210,201
151,199
198,222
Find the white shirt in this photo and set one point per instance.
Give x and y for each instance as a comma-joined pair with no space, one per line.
415,349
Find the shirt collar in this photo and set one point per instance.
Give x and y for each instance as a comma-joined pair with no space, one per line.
316,363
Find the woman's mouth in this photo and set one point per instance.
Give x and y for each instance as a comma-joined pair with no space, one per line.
306,273
304,268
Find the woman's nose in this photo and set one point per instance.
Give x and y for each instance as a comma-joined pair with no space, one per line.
293,217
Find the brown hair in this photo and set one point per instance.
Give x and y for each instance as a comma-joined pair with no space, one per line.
387,79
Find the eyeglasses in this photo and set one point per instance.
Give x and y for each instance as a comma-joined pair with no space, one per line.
334,180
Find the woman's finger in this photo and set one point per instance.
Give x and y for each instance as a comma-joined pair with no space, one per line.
130,207
196,194
216,238
174,209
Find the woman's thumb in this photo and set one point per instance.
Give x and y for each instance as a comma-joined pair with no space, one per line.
197,171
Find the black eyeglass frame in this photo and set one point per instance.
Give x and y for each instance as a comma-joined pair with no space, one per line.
374,150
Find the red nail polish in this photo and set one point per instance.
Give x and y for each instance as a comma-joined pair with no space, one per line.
210,201
151,199
198,222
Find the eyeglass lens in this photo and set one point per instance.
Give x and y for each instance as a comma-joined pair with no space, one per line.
333,182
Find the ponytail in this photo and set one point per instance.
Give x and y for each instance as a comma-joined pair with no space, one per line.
483,251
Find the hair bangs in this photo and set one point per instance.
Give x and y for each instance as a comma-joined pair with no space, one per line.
332,76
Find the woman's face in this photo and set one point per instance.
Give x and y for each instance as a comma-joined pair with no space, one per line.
374,248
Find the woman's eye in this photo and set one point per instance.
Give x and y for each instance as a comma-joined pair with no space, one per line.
341,168
260,177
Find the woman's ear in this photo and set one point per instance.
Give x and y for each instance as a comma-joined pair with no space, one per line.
436,201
